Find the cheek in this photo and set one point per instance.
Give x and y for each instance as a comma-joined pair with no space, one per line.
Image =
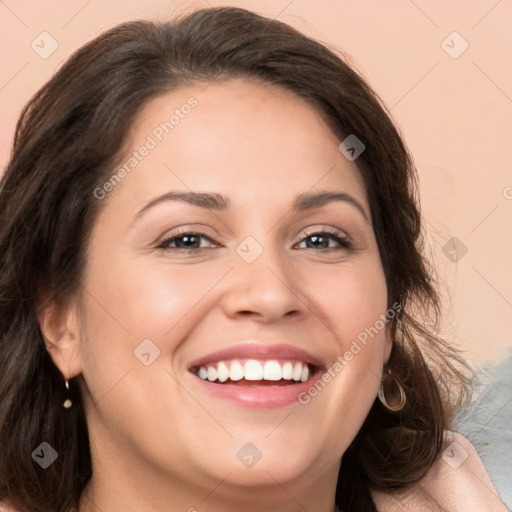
131,303
350,298
164,301
354,310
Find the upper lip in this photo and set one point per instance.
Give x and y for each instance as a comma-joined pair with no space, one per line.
257,350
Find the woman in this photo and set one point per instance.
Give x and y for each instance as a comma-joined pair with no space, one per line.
213,295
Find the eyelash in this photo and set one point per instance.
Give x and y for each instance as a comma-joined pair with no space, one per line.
343,241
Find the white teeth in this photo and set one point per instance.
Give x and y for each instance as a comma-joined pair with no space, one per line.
212,373
272,371
253,369
222,372
236,372
288,371
297,372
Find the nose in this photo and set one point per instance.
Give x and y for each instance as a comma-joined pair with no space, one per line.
264,290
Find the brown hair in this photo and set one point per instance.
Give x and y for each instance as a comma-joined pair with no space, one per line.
67,141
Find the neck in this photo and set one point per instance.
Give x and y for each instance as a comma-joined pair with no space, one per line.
95,498
129,487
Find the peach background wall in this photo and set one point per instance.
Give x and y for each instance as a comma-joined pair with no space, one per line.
444,69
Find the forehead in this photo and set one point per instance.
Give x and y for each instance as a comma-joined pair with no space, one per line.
253,142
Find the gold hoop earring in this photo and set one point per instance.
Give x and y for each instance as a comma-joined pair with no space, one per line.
67,403
382,397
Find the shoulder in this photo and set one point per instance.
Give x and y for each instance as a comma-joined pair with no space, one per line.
456,482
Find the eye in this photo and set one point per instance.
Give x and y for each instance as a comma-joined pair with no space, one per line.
322,240
190,241
185,241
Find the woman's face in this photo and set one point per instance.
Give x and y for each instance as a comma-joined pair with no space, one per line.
259,278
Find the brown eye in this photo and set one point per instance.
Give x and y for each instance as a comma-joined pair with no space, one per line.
185,241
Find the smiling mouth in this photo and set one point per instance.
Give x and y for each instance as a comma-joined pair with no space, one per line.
253,372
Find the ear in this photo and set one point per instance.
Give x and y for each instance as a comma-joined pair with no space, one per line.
60,328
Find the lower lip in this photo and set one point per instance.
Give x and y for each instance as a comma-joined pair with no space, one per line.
262,397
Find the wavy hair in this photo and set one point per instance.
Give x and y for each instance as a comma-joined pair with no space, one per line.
68,139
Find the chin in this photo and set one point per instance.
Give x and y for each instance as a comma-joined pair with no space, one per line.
261,461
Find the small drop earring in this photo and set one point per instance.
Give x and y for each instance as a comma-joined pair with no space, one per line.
67,403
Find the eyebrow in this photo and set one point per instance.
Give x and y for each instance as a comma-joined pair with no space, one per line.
217,202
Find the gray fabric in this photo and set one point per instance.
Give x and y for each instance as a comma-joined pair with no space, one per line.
487,423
